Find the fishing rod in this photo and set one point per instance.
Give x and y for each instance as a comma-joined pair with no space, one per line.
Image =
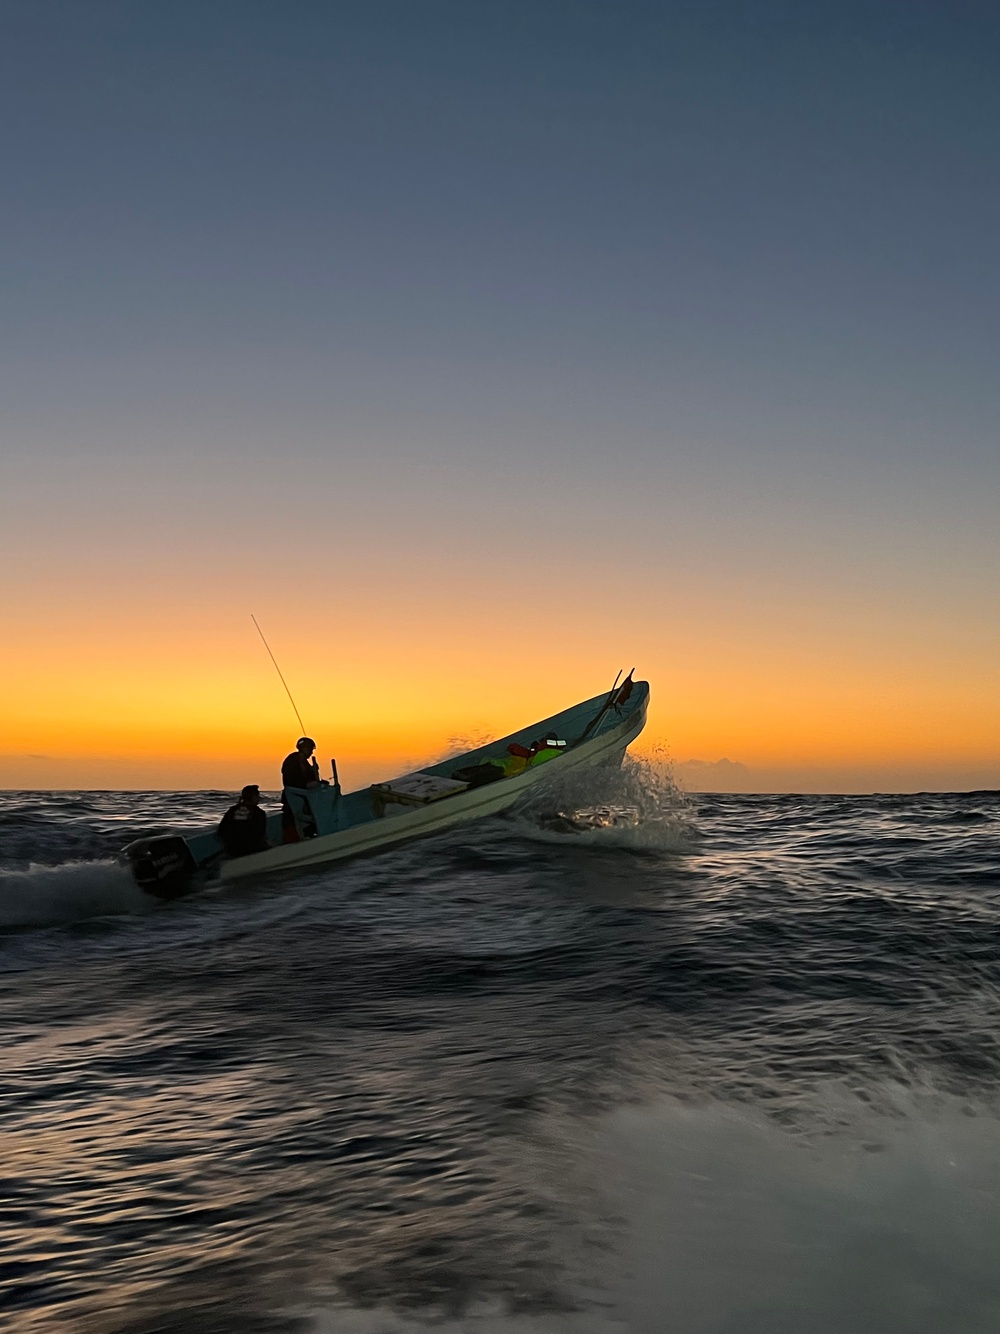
336,777
278,670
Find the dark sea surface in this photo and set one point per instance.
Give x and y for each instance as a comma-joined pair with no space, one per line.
618,1061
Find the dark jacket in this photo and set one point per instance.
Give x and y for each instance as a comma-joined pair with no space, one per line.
243,829
297,771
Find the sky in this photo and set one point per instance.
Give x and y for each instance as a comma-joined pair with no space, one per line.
481,350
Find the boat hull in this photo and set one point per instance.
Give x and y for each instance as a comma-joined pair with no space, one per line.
606,748
438,797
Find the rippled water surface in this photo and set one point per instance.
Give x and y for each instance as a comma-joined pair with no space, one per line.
618,1061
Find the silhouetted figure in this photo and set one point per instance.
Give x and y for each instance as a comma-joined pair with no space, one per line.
243,828
298,769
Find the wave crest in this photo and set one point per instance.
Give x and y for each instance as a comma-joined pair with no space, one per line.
638,807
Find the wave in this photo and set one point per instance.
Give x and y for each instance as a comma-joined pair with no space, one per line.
49,895
721,1220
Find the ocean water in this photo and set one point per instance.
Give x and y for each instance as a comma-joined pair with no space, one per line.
618,1061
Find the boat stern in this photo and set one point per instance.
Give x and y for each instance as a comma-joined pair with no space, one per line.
163,867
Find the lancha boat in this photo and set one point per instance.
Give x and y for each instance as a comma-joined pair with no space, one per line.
331,825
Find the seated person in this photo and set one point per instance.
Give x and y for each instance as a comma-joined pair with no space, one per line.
243,828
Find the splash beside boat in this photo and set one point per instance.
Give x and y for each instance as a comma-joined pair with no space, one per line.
331,825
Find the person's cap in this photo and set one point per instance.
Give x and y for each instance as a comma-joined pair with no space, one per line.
305,741
251,790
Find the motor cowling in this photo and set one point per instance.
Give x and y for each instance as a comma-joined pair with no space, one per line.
163,867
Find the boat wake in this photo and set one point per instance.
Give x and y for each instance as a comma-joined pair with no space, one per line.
50,895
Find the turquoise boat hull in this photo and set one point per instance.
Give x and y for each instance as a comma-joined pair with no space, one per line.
596,732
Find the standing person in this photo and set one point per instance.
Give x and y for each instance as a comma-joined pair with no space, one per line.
243,828
299,769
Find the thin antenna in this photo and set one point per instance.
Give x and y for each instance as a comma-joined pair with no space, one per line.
602,710
278,670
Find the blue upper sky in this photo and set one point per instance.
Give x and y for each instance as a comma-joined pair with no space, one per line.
727,207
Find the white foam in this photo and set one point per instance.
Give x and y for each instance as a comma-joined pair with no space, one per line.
47,895
884,1224
637,808
722,1221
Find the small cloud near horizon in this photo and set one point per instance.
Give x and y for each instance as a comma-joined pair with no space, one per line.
713,775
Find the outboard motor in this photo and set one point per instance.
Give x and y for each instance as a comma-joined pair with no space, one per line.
163,867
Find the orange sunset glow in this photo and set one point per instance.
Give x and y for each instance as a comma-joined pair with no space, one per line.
132,701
